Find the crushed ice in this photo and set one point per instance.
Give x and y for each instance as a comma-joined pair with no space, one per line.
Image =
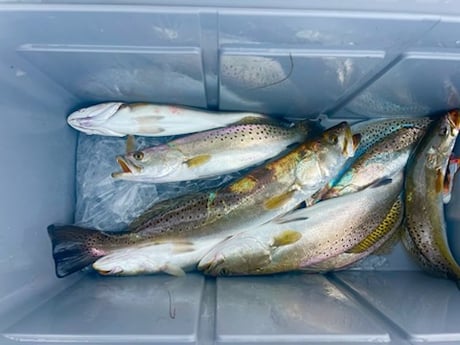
108,204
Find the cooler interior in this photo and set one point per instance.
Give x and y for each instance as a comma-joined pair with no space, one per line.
362,60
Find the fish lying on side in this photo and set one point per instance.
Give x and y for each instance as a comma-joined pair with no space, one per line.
307,236
384,149
185,224
373,131
385,158
407,240
150,120
211,153
425,182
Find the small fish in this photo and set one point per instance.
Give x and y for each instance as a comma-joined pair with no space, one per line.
211,153
150,120
184,223
308,236
425,195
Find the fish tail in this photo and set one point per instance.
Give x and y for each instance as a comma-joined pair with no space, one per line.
74,248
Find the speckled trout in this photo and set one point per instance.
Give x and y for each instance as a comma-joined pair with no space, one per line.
386,157
190,224
308,236
212,153
151,120
425,195
384,150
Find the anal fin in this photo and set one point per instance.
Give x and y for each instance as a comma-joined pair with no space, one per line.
389,223
173,270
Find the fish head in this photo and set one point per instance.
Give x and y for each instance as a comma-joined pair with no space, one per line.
453,119
340,137
327,154
123,262
447,131
239,255
151,164
91,120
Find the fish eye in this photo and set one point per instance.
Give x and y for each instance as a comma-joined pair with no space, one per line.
138,155
443,131
333,139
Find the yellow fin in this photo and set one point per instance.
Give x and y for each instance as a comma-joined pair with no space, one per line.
244,185
391,220
287,237
130,143
439,181
388,245
278,200
197,160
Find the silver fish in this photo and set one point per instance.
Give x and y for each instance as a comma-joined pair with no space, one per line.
385,158
384,149
187,225
211,153
146,119
425,181
306,236
373,131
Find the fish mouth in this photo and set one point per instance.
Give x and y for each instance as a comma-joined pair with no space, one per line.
91,117
454,118
106,272
102,111
127,167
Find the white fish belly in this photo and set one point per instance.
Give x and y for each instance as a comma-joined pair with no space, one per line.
171,258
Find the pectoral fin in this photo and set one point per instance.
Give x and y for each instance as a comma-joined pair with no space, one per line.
287,237
278,200
439,181
130,143
183,247
173,270
197,161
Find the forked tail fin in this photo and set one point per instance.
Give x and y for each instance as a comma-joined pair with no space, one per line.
74,248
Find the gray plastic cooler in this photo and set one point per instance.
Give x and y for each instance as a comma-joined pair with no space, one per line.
362,59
